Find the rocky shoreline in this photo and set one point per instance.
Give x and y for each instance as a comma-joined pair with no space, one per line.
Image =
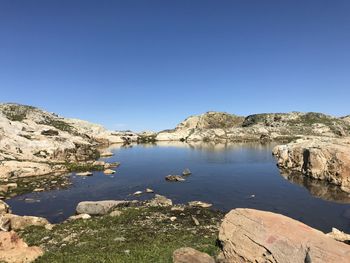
158,230
325,159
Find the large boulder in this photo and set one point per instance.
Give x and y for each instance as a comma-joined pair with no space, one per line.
20,222
14,250
99,207
249,235
190,255
160,200
318,158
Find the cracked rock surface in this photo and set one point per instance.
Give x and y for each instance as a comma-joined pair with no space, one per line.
249,235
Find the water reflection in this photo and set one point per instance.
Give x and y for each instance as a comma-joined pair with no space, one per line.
318,188
226,175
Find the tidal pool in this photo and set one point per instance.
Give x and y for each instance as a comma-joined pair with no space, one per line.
226,175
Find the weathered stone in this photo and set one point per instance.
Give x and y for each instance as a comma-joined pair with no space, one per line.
4,188
115,213
108,171
178,208
84,174
80,216
322,159
111,165
5,223
249,235
160,200
4,208
12,186
149,190
20,222
106,154
99,207
14,250
199,204
190,255
339,235
39,190
195,221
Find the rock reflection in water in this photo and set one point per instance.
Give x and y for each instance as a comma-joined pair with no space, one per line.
318,188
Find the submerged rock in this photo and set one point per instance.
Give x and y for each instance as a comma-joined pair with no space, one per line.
106,154
174,178
108,171
199,204
249,235
14,250
84,174
99,207
186,172
190,255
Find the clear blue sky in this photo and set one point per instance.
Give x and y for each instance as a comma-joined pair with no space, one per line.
149,64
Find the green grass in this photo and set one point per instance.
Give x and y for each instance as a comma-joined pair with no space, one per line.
148,235
16,112
83,167
60,125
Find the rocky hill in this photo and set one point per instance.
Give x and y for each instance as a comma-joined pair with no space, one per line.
220,126
36,142
346,118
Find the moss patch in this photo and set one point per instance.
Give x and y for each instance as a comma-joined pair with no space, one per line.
28,184
83,167
15,112
140,234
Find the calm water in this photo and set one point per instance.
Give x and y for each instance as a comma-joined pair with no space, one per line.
225,175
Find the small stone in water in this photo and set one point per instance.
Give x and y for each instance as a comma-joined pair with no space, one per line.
137,193
186,172
149,190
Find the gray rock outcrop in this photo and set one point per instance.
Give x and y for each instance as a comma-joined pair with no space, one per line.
220,126
99,207
35,142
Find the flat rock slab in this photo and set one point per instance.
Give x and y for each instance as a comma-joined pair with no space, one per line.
249,235
98,207
190,255
14,250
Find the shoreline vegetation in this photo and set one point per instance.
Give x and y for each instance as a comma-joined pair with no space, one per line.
157,230
38,149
